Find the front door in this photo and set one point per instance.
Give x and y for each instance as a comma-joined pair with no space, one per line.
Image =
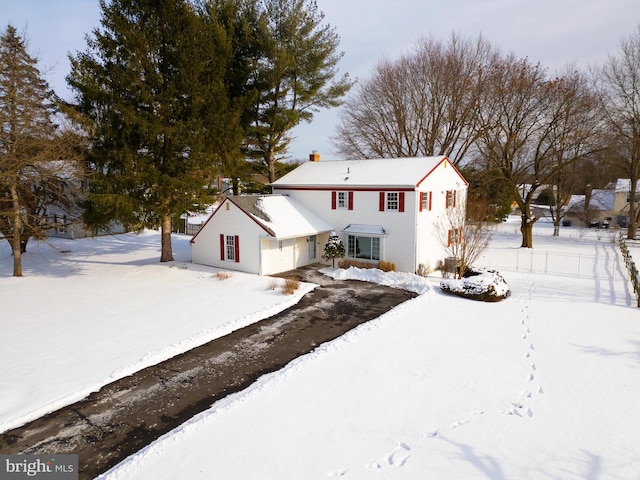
311,243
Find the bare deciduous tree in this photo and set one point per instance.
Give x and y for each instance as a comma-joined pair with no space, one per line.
423,104
574,124
513,131
619,84
464,239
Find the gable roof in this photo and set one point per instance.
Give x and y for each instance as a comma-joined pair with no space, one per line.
280,216
601,199
386,172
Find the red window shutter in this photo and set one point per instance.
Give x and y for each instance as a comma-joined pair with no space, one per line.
350,200
236,240
448,238
333,200
430,197
421,199
446,199
381,206
222,247
454,198
401,202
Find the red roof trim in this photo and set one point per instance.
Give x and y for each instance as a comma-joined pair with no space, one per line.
444,159
351,189
239,208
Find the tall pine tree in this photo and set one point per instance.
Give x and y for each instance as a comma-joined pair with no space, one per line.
37,161
294,78
153,91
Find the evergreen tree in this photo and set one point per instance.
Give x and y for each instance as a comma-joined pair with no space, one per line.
334,248
37,161
293,78
153,91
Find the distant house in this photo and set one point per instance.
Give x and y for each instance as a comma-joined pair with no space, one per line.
386,209
608,206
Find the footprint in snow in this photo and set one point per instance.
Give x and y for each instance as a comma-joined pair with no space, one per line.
431,434
540,390
532,366
337,473
458,423
527,355
398,456
531,347
531,377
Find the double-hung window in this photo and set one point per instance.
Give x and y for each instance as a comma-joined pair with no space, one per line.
425,201
391,201
451,199
229,248
342,200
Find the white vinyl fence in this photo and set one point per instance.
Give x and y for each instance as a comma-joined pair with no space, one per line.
605,265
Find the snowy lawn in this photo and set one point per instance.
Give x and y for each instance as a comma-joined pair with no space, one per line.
544,384
91,311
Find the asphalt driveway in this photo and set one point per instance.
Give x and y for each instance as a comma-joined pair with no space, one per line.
126,415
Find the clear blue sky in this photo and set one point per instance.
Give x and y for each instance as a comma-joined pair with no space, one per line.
552,32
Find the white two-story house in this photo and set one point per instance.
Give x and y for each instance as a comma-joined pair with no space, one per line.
383,209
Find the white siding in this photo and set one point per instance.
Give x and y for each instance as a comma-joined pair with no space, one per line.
430,250
228,220
411,239
397,246
282,255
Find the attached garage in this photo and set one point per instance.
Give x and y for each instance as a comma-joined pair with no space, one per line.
262,234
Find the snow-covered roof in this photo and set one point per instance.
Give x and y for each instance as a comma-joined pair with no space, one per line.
281,216
397,172
365,229
601,199
624,185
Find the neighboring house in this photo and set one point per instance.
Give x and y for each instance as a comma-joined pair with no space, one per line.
607,206
386,209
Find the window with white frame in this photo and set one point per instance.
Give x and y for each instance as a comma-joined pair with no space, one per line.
451,198
230,242
366,248
343,200
425,198
392,202
454,236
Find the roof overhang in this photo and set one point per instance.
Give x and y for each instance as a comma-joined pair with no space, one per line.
363,229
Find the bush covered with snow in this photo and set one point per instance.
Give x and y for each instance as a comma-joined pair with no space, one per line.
482,284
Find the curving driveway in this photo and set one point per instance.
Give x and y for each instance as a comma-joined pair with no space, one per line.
124,416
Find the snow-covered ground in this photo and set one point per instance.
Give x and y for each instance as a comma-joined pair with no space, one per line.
544,384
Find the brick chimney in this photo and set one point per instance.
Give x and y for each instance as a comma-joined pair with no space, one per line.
314,157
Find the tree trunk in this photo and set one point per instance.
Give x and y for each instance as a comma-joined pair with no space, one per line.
23,243
271,164
556,228
526,227
16,227
167,252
